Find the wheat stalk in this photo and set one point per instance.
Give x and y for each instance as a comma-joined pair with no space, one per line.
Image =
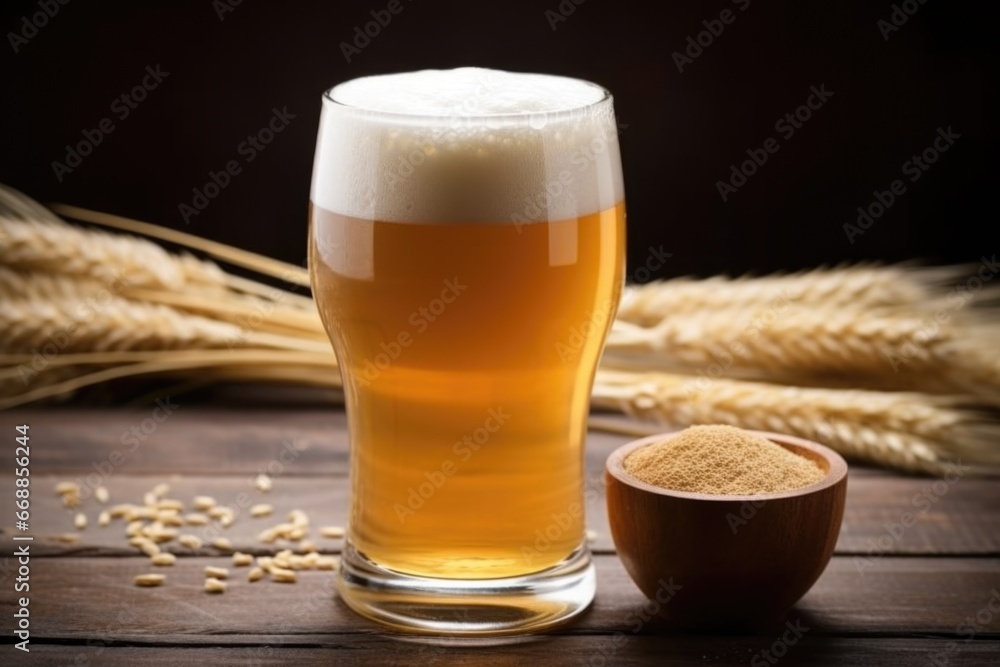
113,323
907,431
857,287
86,307
52,246
790,341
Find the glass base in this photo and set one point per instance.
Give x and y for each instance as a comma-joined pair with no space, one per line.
467,608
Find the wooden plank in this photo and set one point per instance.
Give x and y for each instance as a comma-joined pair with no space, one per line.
197,439
76,598
190,440
366,650
963,519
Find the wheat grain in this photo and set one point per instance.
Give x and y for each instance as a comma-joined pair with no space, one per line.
332,532
263,483
222,544
150,580
903,430
190,541
241,559
203,502
213,585
163,559
261,510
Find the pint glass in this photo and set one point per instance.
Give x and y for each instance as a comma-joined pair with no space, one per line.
466,254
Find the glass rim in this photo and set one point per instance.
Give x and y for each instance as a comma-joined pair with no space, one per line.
505,116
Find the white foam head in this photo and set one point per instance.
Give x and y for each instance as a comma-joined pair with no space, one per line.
467,145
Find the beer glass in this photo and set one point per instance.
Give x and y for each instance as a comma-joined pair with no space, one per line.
466,255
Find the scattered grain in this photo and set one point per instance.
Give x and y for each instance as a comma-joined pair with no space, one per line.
170,504
213,585
203,502
261,510
283,575
222,544
263,483
190,541
241,559
163,559
150,579
332,532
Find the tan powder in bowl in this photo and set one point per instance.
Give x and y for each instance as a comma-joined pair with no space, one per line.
721,460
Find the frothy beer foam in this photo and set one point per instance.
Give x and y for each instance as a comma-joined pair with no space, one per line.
467,145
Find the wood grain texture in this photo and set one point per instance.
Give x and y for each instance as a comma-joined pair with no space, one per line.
556,651
77,598
888,597
964,520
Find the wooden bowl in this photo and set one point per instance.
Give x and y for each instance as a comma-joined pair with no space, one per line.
713,561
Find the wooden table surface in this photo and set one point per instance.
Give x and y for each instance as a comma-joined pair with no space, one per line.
923,594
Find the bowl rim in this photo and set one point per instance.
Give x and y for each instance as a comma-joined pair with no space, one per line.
836,472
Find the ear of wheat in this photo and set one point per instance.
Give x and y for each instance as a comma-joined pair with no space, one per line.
857,287
908,431
784,353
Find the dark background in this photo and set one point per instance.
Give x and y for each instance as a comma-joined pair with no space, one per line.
682,130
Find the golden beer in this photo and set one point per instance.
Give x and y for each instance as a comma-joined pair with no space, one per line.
466,251
469,375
